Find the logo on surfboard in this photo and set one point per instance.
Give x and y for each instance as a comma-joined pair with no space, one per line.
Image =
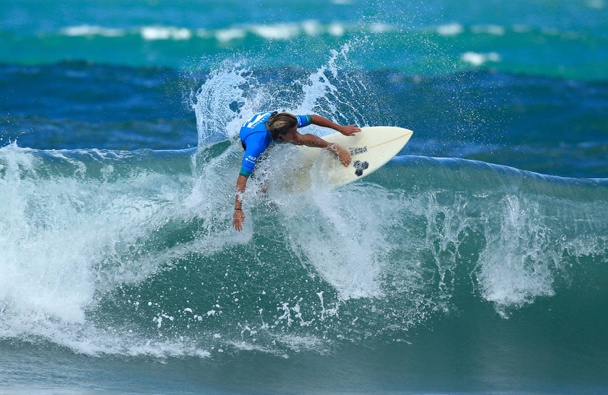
360,166
357,150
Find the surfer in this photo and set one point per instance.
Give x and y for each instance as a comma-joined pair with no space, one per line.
266,128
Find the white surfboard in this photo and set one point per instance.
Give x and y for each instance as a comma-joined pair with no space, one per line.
370,149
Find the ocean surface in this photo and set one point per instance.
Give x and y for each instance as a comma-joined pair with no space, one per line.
474,262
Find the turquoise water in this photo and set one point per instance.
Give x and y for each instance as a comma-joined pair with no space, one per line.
558,38
473,262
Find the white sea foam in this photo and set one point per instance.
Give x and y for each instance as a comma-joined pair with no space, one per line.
495,30
152,33
479,59
379,28
226,35
452,29
279,31
89,30
336,29
312,27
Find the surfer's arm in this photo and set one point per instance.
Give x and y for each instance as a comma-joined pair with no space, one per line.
252,152
348,130
310,140
239,217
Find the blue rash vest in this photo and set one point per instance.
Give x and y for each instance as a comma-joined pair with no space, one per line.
256,138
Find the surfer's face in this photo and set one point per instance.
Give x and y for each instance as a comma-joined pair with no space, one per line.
290,136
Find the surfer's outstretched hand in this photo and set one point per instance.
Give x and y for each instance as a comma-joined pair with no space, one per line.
238,219
349,130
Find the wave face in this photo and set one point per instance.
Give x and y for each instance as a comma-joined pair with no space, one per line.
132,253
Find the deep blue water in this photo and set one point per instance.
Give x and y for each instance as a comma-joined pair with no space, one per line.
473,262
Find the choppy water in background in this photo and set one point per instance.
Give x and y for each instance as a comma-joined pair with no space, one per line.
473,262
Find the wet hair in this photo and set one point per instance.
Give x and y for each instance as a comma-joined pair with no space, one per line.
280,123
